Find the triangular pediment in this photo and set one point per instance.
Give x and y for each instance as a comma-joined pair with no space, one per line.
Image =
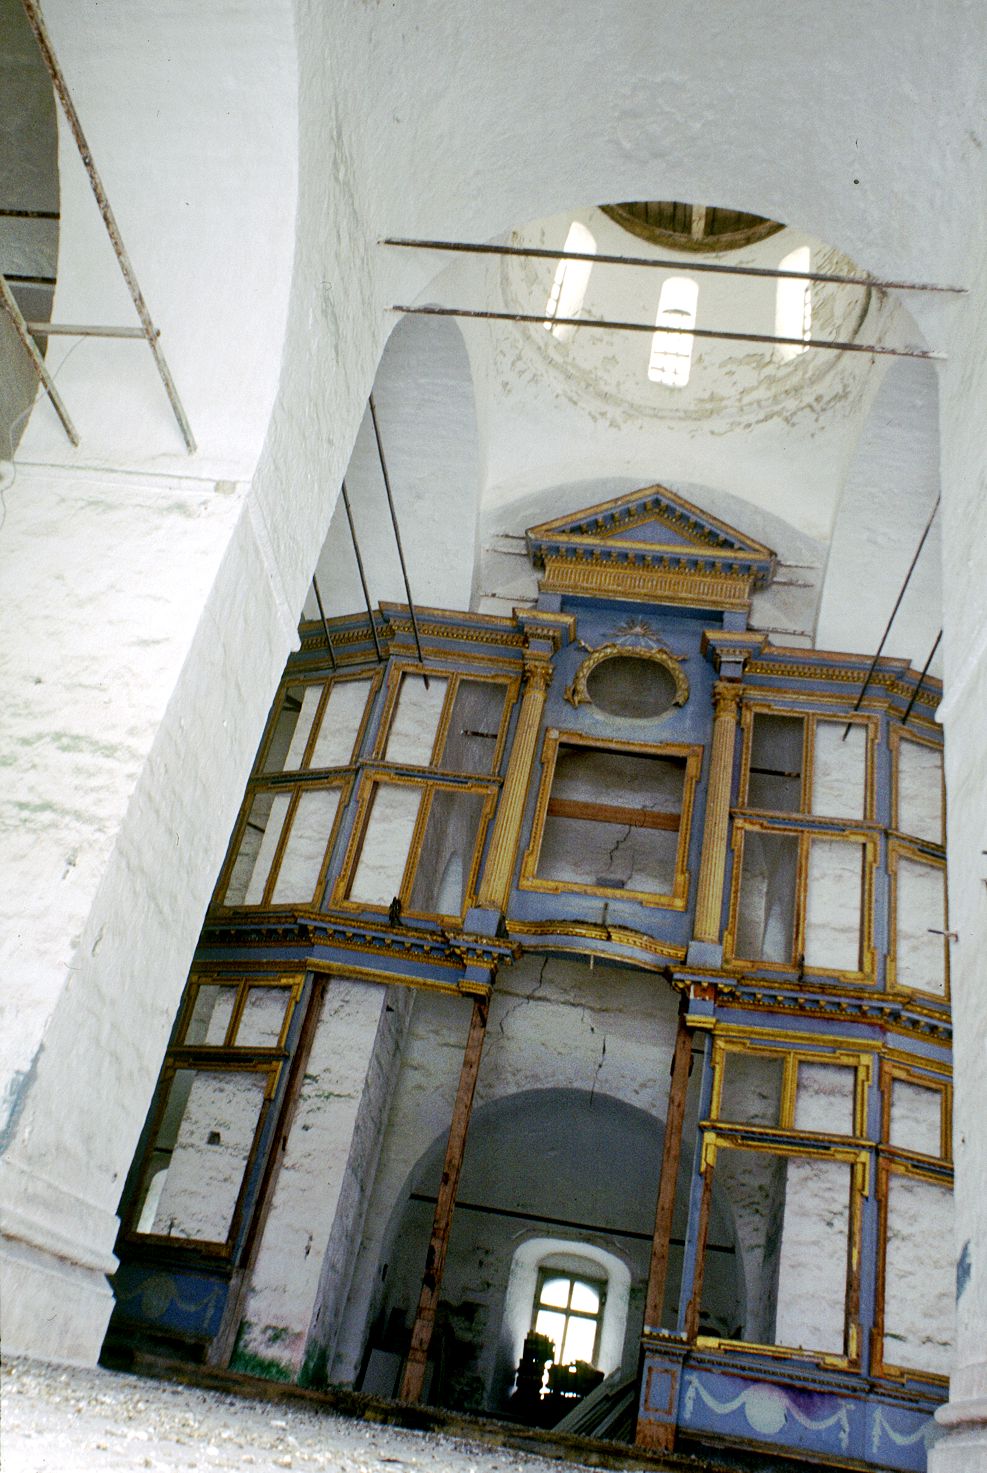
651,544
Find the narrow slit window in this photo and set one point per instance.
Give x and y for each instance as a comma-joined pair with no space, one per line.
305,847
340,724
920,806
920,923
570,284
839,769
671,352
473,737
793,305
919,1275
415,720
387,837
774,779
766,905
834,905
256,850
445,863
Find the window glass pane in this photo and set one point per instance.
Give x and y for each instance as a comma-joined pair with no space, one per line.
415,720
301,861
833,905
916,1118
474,725
551,1323
585,1297
262,1017
580,1341
839,769
386,842
919,1294
751,1090
613,820
211,1014
555,1292
340,724
920,791
775,780
920,904
197,1164
291,731
766,911
824,1098
443,868
258,843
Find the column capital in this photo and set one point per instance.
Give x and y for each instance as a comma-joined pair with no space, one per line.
726,699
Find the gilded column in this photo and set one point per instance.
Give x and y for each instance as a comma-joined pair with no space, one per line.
496,884
712,866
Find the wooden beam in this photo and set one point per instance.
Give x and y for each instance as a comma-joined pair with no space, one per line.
670,1158
413,1380
638,818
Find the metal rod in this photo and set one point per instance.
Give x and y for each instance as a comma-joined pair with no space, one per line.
325,624
397,535
897,606
37,362
109,219
608,324
717,267
918,687
363,579
80,330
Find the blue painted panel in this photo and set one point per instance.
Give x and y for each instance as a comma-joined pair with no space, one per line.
171,1299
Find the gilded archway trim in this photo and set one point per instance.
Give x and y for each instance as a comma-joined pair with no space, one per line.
578,695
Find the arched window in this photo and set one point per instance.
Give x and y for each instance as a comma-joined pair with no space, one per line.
568,1308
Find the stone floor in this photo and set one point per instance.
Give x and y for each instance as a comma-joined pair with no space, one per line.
57,1419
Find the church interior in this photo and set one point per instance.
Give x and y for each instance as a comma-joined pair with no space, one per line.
496,669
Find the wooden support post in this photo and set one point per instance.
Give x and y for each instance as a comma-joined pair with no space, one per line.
712,865
649,1433
413,1379
495,886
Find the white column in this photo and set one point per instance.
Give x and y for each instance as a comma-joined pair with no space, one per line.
314,1228
963,1449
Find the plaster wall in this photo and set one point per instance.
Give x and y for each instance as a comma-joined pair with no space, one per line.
315,1222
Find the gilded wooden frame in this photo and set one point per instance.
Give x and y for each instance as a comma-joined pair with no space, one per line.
291,983
453,675
793,1053
858,1159
887,1167
553,740
343,783
828,831
427,786
897,737
810,719
207,1060
902,849
939,1082
262,772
